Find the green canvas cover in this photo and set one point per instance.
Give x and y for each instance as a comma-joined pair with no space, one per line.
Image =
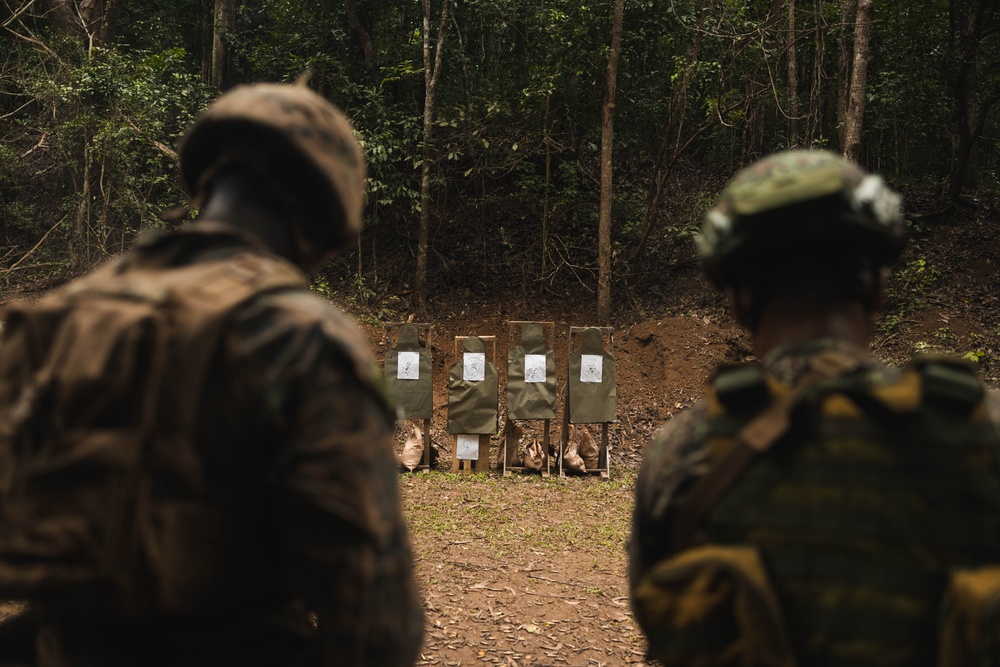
472,404
409,377
534,396
592,401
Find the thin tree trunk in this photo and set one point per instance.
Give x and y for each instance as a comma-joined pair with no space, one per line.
793,79
847,10
607,172
224,25
431,76
859,71
78,250
548,184
207,39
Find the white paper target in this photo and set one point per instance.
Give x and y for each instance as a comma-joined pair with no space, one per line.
468,447
591,368
474,367
408,367
534,368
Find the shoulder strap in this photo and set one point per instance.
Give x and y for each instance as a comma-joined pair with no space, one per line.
751,441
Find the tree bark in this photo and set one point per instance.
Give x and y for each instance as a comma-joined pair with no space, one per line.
970,20
431,76
366,40
92,21
847,10
607,172
859,72
223,26
793,79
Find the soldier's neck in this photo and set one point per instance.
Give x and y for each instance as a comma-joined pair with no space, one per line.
241,202
784,327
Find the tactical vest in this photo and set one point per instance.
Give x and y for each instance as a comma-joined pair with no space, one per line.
842,509
100,388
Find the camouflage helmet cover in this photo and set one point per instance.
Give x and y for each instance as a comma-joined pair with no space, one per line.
805,197
254,123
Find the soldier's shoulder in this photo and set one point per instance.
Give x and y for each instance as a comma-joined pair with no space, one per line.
678,444
302,318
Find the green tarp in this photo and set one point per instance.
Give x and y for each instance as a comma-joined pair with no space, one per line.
531,376
592,394
473,386
408,375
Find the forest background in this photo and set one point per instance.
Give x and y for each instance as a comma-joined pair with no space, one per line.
493,128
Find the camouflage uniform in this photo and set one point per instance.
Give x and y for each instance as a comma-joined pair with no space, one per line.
859,513
292,447
858,529
296,437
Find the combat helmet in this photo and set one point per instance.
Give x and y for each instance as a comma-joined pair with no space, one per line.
281,130
806,202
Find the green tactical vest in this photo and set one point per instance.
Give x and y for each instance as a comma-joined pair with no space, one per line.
837,544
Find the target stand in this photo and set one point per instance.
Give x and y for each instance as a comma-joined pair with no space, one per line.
510,444
482,462
603,469
425,329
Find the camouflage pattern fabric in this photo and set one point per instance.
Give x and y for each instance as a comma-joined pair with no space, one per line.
801,199
859,520
294,439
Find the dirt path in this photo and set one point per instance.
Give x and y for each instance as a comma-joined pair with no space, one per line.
523,571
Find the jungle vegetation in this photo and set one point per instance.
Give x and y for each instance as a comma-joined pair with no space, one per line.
535,140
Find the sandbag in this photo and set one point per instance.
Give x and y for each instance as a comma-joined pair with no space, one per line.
589,450
532,456
413,449
571,453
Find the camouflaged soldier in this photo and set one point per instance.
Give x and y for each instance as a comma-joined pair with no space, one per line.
816,507
196,453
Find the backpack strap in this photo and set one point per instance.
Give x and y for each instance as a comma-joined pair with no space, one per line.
751,441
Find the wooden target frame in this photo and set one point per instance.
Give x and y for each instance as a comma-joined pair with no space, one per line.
427,329
603,469
482,464
510,442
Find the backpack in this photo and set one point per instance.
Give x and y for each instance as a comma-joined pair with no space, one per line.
716,604
97,381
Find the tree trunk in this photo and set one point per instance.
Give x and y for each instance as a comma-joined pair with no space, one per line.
793,79
969,22
847,10
207,39
859,71
607,172
366,41
92,21
223,26
430,86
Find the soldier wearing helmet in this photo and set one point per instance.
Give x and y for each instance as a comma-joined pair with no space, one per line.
261,521
813,508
